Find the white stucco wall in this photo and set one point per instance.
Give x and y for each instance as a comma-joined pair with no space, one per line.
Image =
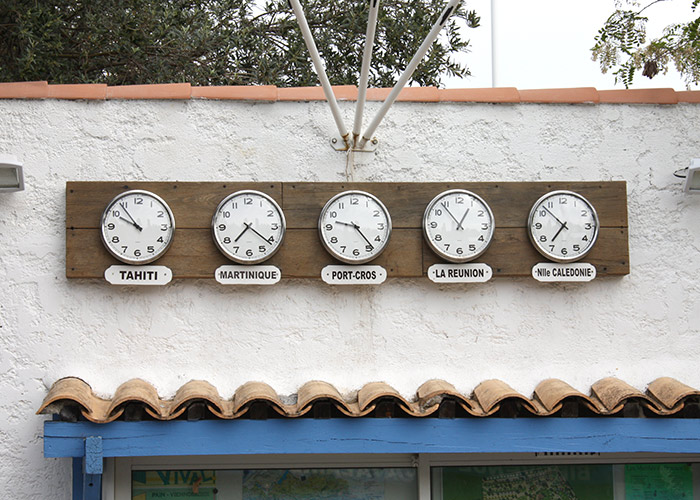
404,332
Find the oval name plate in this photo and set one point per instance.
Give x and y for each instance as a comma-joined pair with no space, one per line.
460,273
353,275
248,275
138,275
551,272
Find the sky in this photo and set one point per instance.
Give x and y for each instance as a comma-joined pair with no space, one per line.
546,44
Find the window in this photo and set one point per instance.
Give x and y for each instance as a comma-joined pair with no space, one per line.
406,477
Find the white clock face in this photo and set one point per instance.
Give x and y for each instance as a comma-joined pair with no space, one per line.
458,225
137,227
248,227
354,226
563,226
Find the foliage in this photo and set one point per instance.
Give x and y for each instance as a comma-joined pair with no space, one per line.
621,43
219,42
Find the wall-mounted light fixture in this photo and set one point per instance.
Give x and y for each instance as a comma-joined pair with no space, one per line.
692,177
11,176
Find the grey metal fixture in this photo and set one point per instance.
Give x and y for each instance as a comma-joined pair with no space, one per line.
11,175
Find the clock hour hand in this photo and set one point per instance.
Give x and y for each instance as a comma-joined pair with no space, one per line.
250,226
345,223
563,226
459,224
242,232
132,223
130,217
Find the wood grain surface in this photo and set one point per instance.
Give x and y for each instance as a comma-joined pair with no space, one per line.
193,253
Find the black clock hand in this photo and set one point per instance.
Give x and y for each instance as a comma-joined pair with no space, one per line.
130,217
563,226
250,226
242,232
550,213
344,223
459,224
448,211
132,223
358,230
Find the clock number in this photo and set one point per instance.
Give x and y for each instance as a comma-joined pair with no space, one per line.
249,252
163,227
433,225
447,246
138,201
459,200
380,226
459,251
222,227
341,206
270,213
538,225
584,213
124,248
484,226
438,212
481,238
137,253
550,204
354,201
160,240
161,213
588,226
271,239
564,251
369,248
150,249
585,238
115,239
110,226
472,248
445,203
377,238
247,201
262,249
333,215
376,213
438,237
329,227
235,249
274,226
543,213
116,213
543,238
227,240
551,248
342,248
226,214
334,239
355,252
481,213
577,248
562,201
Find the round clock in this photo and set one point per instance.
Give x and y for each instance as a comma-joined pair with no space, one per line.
563,226
354,227
137,227
248,227
458,225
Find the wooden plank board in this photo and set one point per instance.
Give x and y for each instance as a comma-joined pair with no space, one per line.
194,255
510,201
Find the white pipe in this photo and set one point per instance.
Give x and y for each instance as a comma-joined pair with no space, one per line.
493,43
320,70
364,73
408,72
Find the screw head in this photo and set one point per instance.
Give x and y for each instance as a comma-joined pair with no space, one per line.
334,140
374,141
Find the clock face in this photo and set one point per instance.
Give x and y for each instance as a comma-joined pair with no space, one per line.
458,225
248,227
563,226
137,227
355,227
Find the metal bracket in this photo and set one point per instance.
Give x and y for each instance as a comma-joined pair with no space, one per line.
339,144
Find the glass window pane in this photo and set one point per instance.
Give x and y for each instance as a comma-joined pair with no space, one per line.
551,482
276,484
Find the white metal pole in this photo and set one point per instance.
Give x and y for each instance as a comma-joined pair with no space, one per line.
320,70
364,73
408,72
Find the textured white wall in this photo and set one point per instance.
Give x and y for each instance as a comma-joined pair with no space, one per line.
404,332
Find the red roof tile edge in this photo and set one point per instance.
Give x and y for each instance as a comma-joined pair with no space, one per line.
44,90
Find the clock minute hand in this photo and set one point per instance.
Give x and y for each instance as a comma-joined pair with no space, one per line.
130,217
459,224
557,219
357,228
250,226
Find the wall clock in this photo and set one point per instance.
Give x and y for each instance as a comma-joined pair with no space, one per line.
563,226
137,227
354,227
248,227
458,225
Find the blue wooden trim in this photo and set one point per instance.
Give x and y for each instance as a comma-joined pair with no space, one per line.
489,435
77,478
92,487
93,455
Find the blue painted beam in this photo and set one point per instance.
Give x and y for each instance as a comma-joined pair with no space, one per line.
490,435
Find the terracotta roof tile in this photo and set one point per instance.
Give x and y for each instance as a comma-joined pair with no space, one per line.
97,91
237,92
501,94
639,96
156,91
24,90
665,396
41,90
568,96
